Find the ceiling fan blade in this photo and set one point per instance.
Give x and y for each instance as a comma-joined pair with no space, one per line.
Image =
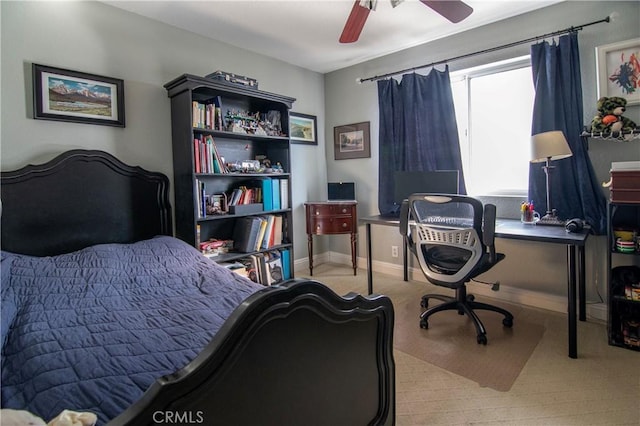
355,23
454,10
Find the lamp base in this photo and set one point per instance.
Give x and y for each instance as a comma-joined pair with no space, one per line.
551,219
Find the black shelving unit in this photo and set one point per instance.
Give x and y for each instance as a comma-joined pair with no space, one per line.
233,146
623,324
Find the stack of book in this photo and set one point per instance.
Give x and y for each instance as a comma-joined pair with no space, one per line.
275,194
206,158
207,115
268,268
255,233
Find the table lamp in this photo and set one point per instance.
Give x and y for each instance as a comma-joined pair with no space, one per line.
545,147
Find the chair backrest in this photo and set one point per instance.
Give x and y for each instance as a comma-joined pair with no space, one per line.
445,232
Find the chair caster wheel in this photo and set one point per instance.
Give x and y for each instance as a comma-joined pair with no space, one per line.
471,297
424,303
482,339
507,322
424,324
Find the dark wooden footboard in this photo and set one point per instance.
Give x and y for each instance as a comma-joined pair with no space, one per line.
293,354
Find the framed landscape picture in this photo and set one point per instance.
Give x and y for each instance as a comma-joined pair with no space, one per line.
73,96
618,70
303,128
351,141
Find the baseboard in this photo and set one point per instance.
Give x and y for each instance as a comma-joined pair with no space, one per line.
596,311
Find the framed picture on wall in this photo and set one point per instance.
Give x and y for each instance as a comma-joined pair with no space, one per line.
78,97
351,141
303,128
618,70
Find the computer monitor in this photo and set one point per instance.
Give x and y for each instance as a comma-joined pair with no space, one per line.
439,181
341,191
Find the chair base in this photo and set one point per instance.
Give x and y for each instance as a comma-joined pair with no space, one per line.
464,304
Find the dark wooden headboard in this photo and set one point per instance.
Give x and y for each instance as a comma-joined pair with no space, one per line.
78,199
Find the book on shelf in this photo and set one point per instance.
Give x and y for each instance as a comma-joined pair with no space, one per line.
273,267
207,116
284,194
201,198
262,272
245,233
267,240
286,263
277,231
261,233
217,106
237,267
267,194
276,193
206,158
251,265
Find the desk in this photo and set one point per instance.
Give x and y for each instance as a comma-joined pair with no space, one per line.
513,229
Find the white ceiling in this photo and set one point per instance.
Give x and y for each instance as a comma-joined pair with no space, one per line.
305,32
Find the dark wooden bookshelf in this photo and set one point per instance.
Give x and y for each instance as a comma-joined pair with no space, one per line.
233,146
623,313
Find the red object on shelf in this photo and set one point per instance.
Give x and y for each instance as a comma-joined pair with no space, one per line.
625,186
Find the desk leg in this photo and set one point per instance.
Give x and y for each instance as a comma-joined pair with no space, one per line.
582,297
369,261
571,296
354,259
405,260
310,248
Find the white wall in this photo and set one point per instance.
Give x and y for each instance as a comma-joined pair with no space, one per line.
99,39
529,266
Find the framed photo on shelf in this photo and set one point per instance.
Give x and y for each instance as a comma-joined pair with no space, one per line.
73,96
351,141
618,70
303,128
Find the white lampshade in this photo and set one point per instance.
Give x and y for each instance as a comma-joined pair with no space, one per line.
552,145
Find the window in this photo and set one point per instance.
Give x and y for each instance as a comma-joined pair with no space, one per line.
494,106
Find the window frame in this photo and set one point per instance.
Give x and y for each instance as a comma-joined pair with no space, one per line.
467,75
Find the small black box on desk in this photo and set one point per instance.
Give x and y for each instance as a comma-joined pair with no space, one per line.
246,208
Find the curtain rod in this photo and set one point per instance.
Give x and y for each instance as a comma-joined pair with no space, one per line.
493,49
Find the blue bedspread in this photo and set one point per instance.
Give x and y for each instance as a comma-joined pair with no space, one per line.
91,330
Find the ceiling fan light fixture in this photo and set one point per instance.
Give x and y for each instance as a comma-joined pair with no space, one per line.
369,4
453,10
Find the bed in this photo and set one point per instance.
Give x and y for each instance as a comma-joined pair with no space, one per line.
104,311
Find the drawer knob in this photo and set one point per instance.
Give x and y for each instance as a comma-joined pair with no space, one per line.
317,213
344,210
344,225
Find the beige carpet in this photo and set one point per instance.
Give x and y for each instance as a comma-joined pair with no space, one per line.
450,342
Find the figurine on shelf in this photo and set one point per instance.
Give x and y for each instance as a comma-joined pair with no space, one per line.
610,119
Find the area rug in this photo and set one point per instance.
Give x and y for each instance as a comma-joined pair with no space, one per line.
450,342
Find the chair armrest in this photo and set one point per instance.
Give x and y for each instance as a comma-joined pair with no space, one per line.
489,230
404,225
404,218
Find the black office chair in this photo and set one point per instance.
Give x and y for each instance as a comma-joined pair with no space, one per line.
447,235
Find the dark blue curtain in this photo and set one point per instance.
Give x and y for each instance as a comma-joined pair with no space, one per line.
418,130
575,192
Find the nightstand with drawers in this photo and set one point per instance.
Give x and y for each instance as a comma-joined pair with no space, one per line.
332,217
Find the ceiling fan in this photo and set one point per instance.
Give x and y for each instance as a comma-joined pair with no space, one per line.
454,10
